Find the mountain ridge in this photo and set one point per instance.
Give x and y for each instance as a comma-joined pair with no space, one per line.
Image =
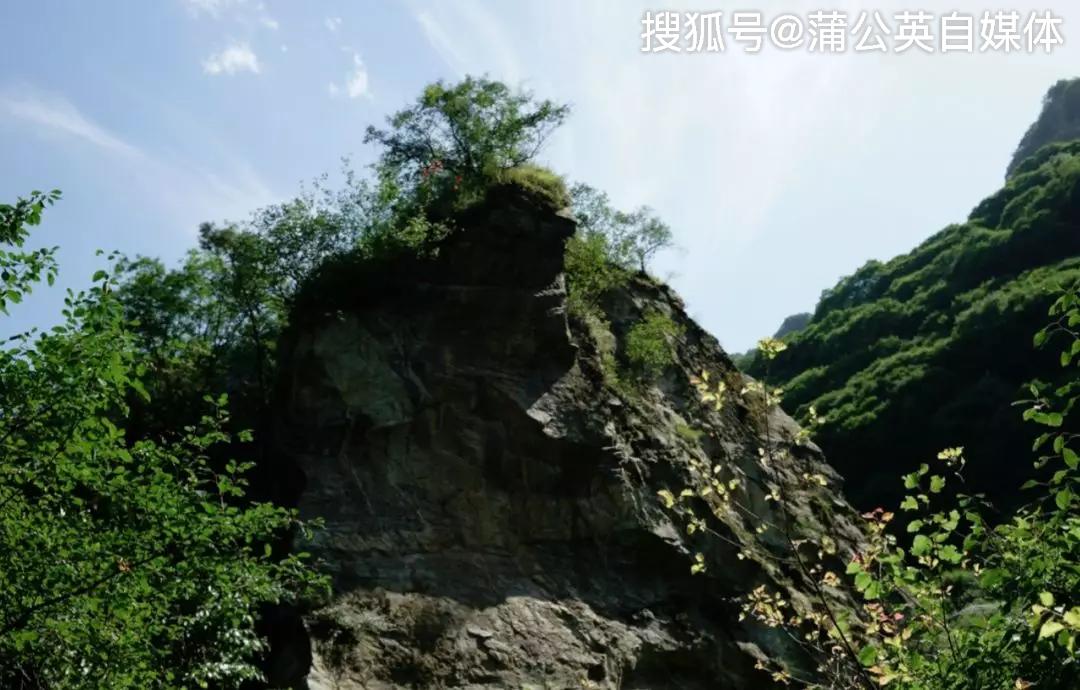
931,348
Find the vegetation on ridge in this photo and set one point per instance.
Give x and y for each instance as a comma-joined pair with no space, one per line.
937,342
960,598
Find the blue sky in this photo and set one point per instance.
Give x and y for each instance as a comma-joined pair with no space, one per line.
779,172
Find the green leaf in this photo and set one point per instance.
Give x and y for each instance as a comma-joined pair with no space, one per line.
992,577
1072,617
1050,628
920,545
862,581
909,503
950,553
1072,460
937,483
1046,599
1041,439
1063,498
868,655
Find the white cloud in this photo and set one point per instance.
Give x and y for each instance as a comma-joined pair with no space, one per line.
269,23
236,58
55,115
332,23
356,82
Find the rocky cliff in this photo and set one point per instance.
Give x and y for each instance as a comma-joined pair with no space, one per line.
1059,121
490,503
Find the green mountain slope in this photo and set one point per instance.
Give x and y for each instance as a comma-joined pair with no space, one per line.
930,349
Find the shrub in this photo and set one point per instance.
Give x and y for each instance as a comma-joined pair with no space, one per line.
648,344
589,272
689,433
956,601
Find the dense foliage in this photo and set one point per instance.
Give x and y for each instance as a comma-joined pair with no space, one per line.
966,601
937,342
649,344
957,597
127,563
213,322
447,148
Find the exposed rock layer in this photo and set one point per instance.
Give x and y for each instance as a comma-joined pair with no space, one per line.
490,504
1059,121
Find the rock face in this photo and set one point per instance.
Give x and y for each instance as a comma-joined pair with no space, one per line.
1058,121
490,503
793,324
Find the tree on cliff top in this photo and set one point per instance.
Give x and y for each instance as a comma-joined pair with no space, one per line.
464,134
632,237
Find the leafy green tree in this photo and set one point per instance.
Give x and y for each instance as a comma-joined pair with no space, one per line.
457,138
633,238
590,272
19,269
125,563
212,323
